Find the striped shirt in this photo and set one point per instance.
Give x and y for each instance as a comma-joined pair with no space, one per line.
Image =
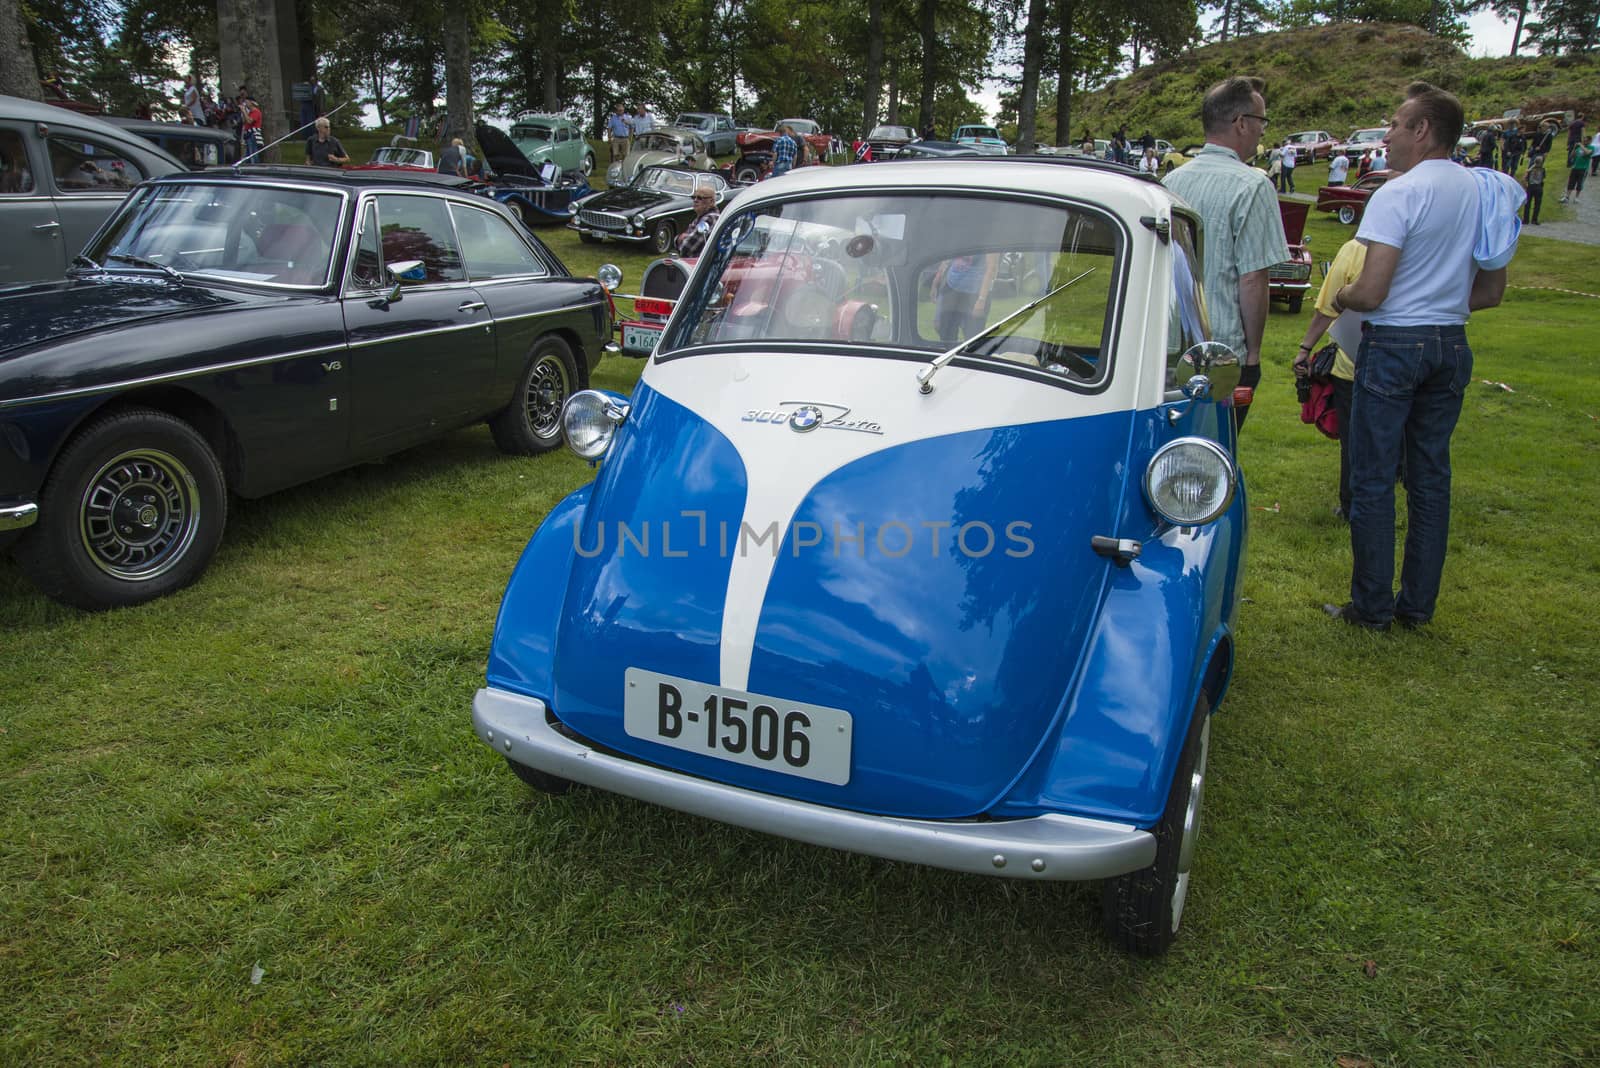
1242,230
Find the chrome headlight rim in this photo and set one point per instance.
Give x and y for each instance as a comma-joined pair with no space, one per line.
589,421
1217,453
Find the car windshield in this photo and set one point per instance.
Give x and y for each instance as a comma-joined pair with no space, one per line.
665,180
1363,136
978,131
799,126
889,132
403,157
921,272
693,122
655,141
248,233
531,133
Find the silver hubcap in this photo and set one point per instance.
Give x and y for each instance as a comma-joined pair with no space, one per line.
548,388
139,514
1191,824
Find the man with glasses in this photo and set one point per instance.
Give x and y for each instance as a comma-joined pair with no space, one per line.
693,239
1243,230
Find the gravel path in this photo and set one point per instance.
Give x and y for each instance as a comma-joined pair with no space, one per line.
1584,227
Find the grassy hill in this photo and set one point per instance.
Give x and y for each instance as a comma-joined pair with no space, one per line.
1335,78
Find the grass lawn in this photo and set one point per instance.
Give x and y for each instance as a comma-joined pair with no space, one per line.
273,775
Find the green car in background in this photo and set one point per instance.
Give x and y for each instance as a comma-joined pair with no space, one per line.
542,135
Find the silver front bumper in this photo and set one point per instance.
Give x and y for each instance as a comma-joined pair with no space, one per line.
18,516
1041,847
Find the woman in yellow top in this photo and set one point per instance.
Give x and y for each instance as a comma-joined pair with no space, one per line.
1345,268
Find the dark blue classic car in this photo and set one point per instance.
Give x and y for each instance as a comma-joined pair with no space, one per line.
243,332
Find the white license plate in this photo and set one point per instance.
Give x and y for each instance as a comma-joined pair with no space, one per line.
790,737
640,338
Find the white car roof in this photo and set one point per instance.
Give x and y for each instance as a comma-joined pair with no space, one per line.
1118,190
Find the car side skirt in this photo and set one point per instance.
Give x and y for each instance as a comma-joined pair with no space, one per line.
1045,848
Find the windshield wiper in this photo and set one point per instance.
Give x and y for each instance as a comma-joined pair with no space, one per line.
140,261
80,260
925,375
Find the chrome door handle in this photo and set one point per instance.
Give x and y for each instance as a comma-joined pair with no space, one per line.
49,227
470,305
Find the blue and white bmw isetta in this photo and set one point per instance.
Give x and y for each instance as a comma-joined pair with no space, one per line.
920,536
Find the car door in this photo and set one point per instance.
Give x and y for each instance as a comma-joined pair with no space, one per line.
412,358
30,230
89,177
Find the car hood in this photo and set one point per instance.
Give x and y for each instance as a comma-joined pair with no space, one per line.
502,153
627,198
53,311
907,561
1293,213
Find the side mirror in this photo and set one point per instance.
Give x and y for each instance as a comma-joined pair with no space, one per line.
1216,363
395,275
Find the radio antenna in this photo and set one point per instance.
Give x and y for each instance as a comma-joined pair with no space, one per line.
265,148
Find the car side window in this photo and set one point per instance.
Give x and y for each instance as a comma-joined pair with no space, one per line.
1187,322
88,167
366,270
16,177
491,247
418,228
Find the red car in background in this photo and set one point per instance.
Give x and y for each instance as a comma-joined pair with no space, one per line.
1349,201
755,149
1290,280
1312,145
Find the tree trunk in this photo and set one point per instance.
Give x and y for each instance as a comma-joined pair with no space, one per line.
1065,71
549,78
379,94
930,65
1032,58
1516,36
1136,50
1227,14
248,33
458,72
869,111
893,115
19,75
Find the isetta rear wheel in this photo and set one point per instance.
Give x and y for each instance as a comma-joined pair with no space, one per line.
531,423
1347,214
1141,910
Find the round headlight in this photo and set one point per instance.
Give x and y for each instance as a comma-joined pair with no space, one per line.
614,174
1190,481
589,421
610,276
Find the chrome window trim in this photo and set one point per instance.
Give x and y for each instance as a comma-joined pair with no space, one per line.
171,376
340,227
448,198
388,338
533,253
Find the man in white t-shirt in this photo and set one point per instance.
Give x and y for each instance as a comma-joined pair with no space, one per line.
1338,167
1417,287
1288,167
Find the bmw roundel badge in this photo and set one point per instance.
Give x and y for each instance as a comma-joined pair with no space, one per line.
807,417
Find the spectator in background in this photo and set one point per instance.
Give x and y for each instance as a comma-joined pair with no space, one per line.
192,113
1380,158
1244,230
1594,154
1534,183
323,149
1543,140
693,240
1512,146
1487,142
250,128
1577,170
1289,154
1575,131
618,130
784,150
454,159
643,121
1338,168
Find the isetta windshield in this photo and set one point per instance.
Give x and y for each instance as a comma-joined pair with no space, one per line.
921,272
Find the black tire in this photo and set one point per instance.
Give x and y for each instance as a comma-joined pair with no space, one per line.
1295,303
588,164
746,173
662,235
531,423
1141,910
1347,214
133,509
539,780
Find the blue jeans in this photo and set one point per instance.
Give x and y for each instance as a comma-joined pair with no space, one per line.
1407,398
